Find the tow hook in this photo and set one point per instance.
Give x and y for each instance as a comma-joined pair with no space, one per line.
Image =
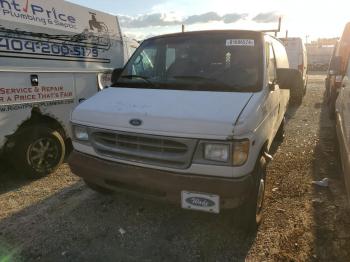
268,157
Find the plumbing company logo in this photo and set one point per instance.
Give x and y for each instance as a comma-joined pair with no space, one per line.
36,13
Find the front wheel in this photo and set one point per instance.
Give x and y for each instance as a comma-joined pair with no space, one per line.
251,211
38,151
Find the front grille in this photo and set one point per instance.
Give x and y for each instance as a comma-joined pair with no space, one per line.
155,150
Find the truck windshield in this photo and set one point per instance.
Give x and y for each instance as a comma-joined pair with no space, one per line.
203,62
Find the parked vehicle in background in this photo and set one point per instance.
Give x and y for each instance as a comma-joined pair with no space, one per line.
52,57
342,111
190,128
337,69
297,56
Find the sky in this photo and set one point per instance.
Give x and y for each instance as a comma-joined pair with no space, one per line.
309,19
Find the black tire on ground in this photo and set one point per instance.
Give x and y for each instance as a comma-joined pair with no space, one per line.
38,151
281,131
297,93
97,188
250,213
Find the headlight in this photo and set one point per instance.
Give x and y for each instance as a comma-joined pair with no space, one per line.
81,133
240,152
217,152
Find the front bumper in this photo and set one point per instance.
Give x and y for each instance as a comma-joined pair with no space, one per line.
153,183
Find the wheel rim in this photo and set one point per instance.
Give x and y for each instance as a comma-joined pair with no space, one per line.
43,154
260,197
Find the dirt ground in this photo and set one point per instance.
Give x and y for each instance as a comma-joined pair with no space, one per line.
58,218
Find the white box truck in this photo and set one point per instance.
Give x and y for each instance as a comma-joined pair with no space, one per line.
53,55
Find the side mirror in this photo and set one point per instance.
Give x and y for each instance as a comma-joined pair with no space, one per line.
116,74
289,78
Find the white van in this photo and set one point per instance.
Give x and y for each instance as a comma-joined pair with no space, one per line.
53,55
342,113
297,56
190,118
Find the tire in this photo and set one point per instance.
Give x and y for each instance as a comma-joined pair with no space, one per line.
297,93
97,188
281,131
38,151
251,211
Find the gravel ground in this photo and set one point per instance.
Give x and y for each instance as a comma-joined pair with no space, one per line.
58,218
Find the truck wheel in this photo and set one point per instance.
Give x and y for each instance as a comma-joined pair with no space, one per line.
97,188
39,151
251,211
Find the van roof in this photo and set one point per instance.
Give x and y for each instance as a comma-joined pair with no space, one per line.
253,33
291,38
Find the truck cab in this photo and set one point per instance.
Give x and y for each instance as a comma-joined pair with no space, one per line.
190,119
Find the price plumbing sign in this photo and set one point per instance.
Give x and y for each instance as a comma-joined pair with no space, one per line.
27,11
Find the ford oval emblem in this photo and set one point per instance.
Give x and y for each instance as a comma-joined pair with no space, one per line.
200,202
135,122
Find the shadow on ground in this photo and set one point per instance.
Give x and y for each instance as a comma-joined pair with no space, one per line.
9,179
79,225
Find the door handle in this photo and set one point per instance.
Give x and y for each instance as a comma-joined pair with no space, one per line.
34,79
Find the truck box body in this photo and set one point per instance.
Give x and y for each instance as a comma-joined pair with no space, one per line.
52,56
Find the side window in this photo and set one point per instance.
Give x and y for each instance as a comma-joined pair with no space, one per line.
143,64
271,65
170,57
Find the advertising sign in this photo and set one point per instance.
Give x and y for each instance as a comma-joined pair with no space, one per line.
58,31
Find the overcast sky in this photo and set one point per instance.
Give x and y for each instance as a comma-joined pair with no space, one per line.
301,17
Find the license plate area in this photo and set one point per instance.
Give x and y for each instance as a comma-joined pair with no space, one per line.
200,202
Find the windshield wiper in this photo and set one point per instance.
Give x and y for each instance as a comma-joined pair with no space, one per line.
140,77
207,79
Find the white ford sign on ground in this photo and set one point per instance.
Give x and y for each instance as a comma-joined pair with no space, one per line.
53,55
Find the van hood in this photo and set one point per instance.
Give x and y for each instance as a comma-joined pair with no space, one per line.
172,112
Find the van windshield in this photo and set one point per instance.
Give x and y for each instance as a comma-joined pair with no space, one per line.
203,62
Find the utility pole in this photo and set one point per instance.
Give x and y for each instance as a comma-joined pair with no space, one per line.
183,28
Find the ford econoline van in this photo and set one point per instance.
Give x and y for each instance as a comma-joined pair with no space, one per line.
191,119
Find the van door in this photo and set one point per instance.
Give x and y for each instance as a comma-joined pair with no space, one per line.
343,127
274,108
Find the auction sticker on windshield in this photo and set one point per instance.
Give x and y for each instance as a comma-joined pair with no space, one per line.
200,202
240,42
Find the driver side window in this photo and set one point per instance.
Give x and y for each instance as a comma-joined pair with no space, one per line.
271,64
143,64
